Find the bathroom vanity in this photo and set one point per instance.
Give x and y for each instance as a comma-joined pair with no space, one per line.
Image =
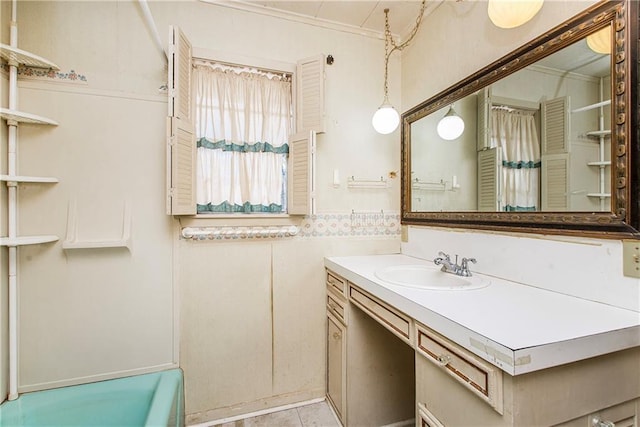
480,351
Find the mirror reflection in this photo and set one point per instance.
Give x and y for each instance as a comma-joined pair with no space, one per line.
536,140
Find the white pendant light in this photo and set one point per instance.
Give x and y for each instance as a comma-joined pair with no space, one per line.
512,13
600,41
451,126
386,119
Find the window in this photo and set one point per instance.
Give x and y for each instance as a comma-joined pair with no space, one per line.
213,141
243,119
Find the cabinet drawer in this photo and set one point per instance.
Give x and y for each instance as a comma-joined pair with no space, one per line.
336,307
397,322
482,378
336,283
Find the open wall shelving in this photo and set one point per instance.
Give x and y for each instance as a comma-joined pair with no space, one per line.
13,117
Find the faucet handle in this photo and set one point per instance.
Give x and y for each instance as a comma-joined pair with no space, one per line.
446,256
464,266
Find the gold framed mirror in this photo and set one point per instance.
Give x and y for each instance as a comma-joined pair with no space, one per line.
562,159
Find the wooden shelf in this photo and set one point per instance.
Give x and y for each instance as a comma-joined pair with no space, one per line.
27,240
14,56
602,163
22,117
29,179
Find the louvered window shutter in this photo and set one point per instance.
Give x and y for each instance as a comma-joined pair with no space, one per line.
489,180
555,126
484,119
555,182
181,148
554,170
301,173
310,94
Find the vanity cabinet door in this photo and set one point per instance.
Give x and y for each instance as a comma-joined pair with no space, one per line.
336,283
336,363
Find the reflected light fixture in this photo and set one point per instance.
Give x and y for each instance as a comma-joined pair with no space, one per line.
600,41
512,13
386,118
451,126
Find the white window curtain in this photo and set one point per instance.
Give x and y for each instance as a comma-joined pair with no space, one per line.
243,121
514,131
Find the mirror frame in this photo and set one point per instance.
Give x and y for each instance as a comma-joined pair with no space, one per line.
623,221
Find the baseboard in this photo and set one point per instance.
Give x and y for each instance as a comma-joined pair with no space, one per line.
252,409
405,423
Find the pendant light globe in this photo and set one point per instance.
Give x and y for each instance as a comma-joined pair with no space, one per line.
386,119
451,126
512,13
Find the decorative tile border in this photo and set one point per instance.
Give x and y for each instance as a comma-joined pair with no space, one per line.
47,75
355,224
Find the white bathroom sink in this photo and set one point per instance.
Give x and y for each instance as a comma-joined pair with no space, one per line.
428,277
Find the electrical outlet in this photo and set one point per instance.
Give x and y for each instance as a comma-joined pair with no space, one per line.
631,258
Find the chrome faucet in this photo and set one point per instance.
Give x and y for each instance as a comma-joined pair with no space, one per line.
452,267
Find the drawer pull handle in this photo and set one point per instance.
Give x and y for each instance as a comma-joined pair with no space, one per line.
597,422
445,359
337,335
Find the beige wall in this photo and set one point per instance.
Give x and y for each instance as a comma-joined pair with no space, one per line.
251,331
252,321
458,39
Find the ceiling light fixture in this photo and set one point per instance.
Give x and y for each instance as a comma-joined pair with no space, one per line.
512,13
386,118
600,41
451,126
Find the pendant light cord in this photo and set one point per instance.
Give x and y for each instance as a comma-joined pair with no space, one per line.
388,41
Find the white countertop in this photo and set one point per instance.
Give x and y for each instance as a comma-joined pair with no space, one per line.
516,327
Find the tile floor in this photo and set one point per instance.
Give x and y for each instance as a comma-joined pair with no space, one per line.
313,415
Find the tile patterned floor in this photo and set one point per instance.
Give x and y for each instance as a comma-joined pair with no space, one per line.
314,415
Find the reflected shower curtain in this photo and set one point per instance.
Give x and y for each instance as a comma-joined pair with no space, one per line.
515,132
242,130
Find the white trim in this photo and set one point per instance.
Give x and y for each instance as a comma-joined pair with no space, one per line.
405,423
258,413
175,280
297,17
561,73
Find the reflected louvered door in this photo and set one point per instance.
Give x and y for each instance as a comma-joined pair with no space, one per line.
301,173
310,94
484,119
181,148
554,189
555,126
555,182
489,180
